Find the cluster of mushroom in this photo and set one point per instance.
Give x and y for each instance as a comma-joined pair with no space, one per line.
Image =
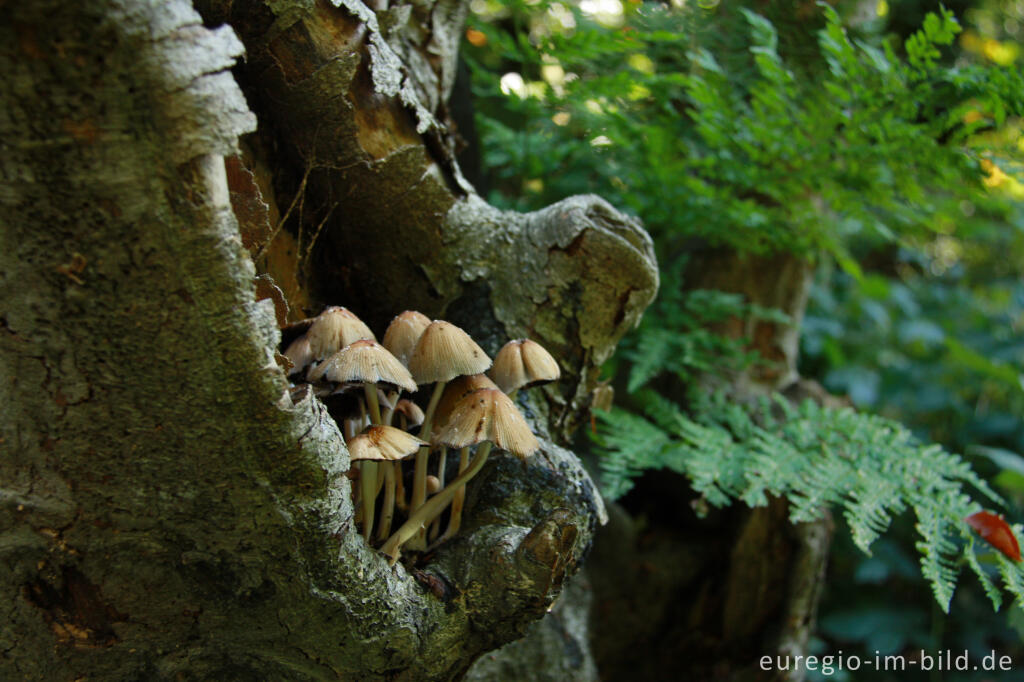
340,357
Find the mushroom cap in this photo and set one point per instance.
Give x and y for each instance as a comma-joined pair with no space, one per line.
412,412
365,361
299,354
383,443
335,328
454,392
523,363
433,484
488,414
402,334
444,352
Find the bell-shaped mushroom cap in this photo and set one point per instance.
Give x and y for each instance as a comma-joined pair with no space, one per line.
299,354
444,352
365,361
456,389
385,443
402,334
335,328
489,414
522,363
411,411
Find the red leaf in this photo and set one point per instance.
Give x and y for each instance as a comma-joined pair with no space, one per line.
996,532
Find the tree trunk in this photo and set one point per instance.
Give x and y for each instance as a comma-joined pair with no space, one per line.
712,596
170,507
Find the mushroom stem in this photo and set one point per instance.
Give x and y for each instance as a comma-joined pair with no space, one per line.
435,527
368,479
389,414
381,476
419,519
455,520
419,481
370,390
387,510
441,463
400,500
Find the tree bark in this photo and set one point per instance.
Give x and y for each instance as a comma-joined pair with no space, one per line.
169,506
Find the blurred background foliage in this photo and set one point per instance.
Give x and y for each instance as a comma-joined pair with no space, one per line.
878,142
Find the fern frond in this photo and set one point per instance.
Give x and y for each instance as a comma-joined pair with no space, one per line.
870,468
937,564
991,591
637,444
1013,578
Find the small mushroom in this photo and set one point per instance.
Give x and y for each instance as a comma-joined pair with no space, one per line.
487,417
369,363
409,413
335,328
443,352
384,444
521,364
299,354
403,333
454,391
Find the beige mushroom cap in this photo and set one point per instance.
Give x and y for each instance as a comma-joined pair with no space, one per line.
488,414
456,389
383,443
299,354
365,361
444,352
522,363
403,333
411,411
335,328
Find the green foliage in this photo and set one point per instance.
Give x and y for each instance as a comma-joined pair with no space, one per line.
940,353
722,127
933,340
870,467
817,457
740,147
674,338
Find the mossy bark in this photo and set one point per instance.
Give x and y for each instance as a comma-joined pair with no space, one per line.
169,507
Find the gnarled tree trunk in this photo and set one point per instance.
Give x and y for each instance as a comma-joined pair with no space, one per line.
169,506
